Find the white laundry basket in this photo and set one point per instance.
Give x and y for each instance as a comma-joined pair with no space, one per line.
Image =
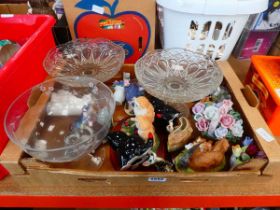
211,27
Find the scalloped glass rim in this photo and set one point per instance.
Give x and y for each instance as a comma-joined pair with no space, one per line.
99,58
178,75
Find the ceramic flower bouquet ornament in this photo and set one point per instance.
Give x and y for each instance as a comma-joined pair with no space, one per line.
218,120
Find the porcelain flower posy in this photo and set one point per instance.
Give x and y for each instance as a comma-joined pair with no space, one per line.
218,120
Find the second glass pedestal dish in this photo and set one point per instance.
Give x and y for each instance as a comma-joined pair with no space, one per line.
178,75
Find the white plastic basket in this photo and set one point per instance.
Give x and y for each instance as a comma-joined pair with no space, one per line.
211,27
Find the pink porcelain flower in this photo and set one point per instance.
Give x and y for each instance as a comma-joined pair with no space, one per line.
202,124
223,110
227,121
198,108
227,104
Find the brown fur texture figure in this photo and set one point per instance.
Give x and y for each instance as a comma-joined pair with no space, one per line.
144,117
207,156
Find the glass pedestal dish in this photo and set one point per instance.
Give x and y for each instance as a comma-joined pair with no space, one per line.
98,58
177,75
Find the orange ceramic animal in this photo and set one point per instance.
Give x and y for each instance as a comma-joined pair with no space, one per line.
209,157
144,117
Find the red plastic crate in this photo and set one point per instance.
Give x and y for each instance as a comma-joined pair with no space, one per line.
25,68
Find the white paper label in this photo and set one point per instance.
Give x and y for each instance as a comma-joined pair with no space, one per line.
157,179
97,9
265,135
277,90
7,15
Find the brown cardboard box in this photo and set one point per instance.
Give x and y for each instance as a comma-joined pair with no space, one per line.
82,178
128,23
13,8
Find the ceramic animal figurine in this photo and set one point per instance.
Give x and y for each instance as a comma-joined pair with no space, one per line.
144,117
163,111
202,155
179,135
132,150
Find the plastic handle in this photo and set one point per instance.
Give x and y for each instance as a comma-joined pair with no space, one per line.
216,7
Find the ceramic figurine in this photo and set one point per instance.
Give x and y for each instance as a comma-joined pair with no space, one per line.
179,135
132,90
159,163
202,155
163,111
132,150
242,153
144,117
119,94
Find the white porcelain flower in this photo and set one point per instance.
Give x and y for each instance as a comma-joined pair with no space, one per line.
237,128
221,132
211,112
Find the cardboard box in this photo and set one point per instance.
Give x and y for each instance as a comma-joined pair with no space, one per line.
13,8
128,23
264,79
81,174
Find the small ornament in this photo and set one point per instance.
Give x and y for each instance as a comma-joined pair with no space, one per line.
163,111
119,94
132,150
179,135
218,120
202,155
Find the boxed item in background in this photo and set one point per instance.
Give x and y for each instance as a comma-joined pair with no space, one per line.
267,20
128,23
254,43
259,33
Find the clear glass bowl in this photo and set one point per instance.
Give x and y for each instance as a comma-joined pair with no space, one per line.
99,58
61,119
178,75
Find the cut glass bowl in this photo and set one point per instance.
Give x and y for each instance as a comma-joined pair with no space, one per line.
99,58
178,75
61,119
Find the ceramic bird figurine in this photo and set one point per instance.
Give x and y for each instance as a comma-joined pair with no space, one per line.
132,150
